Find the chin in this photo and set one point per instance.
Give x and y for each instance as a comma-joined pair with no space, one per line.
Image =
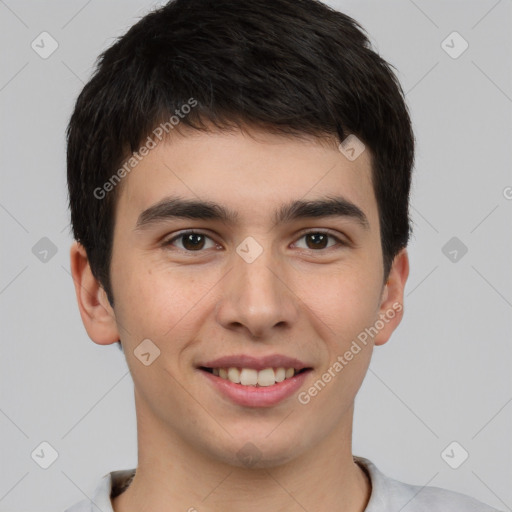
260,450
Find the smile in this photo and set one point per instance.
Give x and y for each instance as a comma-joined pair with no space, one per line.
251,377
252,393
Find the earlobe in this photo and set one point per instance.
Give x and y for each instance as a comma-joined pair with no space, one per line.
392,303
97,315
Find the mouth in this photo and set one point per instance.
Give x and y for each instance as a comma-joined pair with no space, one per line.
250,381
248,387
255,378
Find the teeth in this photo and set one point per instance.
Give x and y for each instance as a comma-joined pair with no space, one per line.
280,374
251,377
248,377
234,375
266,377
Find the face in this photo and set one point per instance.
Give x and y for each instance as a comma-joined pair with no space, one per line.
261,275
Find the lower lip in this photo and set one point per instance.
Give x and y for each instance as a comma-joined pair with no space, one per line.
252,396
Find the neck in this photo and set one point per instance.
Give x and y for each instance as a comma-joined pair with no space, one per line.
174,475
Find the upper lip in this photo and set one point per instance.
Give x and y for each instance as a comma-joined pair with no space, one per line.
255,363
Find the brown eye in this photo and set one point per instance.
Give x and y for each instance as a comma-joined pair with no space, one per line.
190,241
317,240
193,241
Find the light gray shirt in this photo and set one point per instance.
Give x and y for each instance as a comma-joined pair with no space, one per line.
388,495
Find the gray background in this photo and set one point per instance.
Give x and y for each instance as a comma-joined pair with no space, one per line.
445,374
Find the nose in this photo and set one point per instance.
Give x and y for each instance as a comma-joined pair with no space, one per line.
256,298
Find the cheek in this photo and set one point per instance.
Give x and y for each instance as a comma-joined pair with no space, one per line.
345,298
342,309
157,301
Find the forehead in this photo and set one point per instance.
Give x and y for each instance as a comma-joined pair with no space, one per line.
247,172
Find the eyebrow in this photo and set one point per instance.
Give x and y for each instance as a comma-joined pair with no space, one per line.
327,207
177,207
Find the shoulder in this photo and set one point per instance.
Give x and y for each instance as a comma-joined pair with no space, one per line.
110,485
390,494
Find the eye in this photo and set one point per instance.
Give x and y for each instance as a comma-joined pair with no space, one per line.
191,241
317,240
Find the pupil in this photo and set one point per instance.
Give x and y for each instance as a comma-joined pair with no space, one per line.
319,239
192,240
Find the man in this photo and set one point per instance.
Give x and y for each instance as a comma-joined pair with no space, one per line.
239,178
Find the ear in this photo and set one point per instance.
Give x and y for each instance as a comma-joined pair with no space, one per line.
97,314
391,308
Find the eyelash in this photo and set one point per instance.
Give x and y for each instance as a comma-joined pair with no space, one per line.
342,243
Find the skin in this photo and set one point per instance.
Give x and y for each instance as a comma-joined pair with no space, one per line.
294,299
